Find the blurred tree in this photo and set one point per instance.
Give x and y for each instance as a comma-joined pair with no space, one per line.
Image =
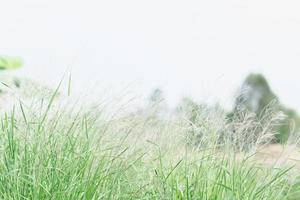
189,109
256,96
204,121
156,96
290,124
192,113
157,106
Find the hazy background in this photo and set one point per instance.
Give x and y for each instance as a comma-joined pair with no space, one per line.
199,48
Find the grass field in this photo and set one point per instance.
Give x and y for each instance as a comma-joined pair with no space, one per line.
52,150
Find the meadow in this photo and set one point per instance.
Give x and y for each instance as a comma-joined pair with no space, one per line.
53,149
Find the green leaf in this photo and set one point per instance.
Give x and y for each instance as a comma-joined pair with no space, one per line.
10,63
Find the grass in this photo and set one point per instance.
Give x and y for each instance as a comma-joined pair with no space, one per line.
60,151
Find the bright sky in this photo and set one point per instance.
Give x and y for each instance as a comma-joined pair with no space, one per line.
199,48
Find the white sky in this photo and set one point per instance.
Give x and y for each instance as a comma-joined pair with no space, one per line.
199,48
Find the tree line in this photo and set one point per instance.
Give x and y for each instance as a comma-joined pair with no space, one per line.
255,96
